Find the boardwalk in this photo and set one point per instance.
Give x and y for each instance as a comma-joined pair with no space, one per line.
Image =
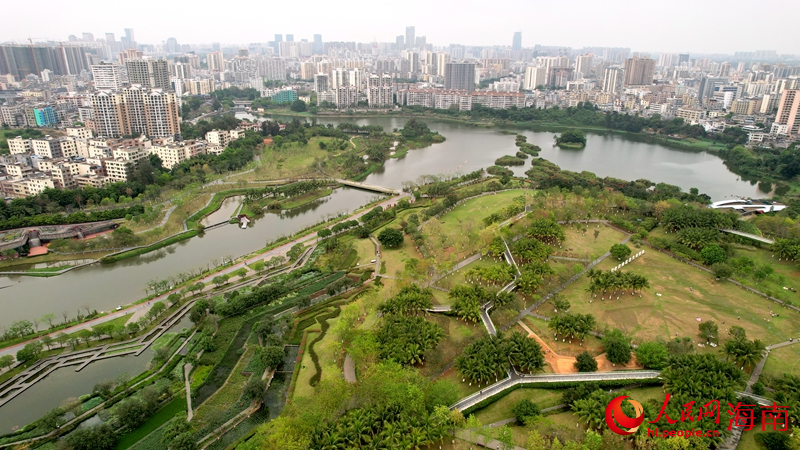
514,379
754,237
82,358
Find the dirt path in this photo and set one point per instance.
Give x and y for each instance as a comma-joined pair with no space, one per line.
566,364
349,369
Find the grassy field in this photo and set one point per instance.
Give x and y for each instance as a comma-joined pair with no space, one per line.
291,160
457,336
783,361
501,409
459,277
454,235
327,349
560,347
396,258
582,243
687,294
365,250
786,274
160,418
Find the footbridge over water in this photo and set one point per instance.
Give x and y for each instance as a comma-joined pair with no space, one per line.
369,187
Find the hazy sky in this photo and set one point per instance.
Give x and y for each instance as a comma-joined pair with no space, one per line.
702,26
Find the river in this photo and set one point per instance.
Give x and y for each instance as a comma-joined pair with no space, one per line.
105,286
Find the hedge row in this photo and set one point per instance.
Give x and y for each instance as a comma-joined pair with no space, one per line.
324,325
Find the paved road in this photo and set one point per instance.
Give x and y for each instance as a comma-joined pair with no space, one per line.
308,239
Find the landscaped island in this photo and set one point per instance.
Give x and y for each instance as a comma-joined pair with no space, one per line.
571,139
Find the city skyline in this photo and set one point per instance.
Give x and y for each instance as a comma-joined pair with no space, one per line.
604,25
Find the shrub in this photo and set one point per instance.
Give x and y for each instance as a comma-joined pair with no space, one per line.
525,409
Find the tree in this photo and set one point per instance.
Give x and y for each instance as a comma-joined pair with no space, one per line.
525,409
174,428
131,412
325,232
713,254
30,352
620,251
6,361
49,318
722,270
156,309
617,347
47,341
272,357
596,234
184,441
652,355
240,272
254,388
219,280
585,362
99,437
104,389
298,106
391,237
709,331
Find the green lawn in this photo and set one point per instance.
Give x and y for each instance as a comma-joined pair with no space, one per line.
160,418
583,243
459,277
457,336
678,307
783,361
786,274
327,350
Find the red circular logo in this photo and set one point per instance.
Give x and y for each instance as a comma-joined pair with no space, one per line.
614,412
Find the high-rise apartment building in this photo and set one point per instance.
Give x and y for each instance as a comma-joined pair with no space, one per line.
128,42
787,121
459,76
583,65
399,42
516,44
410,39
379,91
151,112
322,82
181,70
441,60
216,63
109,76
318,48
24,60
613,79
149,73
271,68
639,71
683,58
534,77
